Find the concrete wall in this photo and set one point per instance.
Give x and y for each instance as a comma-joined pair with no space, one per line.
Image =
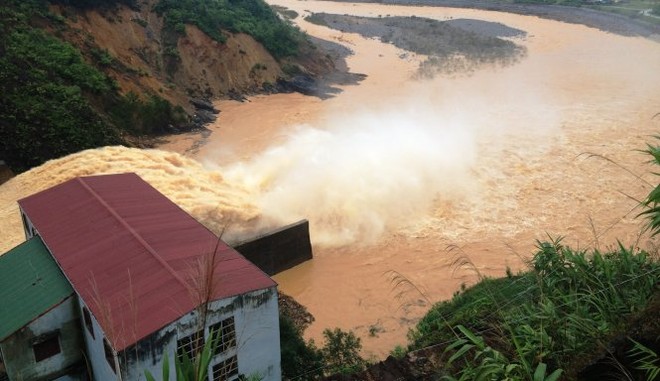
28,228
100,368
256,317
256,320
19,355
279,250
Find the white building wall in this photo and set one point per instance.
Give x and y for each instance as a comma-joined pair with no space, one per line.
94,348
28,228
256,319
18,352
257,333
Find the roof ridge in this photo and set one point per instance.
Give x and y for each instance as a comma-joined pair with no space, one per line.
135,234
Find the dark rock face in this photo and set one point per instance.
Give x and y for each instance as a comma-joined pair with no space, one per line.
202,117
205,113
301,83
201,104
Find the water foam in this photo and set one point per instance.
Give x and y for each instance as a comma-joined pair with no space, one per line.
217,203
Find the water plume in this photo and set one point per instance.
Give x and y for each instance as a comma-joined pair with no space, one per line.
221,206
360,174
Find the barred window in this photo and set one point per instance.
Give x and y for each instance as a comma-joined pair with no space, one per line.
190,345
87,318
226,370
109,355
227,335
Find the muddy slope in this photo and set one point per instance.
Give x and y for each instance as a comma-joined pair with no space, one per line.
140,55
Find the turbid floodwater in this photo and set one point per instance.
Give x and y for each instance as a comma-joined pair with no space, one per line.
400,176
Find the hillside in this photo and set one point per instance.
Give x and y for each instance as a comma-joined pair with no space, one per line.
83,74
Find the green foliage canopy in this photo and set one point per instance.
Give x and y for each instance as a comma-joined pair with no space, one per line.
44,111
253,17
53,103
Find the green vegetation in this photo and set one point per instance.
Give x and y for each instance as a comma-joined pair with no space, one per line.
187,369
304,361
299,358
557,314
57,99
652,201
54,102
285,12
253,17
45,84
95,3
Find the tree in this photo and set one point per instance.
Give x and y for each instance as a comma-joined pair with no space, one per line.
341,352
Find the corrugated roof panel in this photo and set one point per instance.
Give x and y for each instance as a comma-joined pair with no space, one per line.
131,253
31,284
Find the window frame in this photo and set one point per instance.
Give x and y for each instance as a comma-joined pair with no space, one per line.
109,355
191,345
46,346
227,338
225,370
87,321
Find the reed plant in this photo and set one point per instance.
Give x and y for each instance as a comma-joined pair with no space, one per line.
537,324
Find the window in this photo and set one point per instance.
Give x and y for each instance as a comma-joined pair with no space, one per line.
227,334
25,224
87,318
226,370
109,355
46,346
190,345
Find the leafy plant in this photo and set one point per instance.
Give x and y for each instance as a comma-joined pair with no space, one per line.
298,357
652,201
487,363
253,17
566,305
645,359
187,369
341,352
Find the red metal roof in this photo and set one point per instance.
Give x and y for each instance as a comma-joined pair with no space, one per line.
132,254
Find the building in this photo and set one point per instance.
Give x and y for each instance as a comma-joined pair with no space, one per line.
150,282
42,338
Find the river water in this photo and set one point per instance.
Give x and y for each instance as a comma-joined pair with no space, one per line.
401,177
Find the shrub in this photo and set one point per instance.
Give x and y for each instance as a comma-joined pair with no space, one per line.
253,17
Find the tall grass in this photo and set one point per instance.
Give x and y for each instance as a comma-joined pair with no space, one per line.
533,325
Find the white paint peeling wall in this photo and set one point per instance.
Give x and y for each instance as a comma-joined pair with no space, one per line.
257,334
22,366
94,348
257,338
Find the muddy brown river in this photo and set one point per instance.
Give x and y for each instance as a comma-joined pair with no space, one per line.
402,176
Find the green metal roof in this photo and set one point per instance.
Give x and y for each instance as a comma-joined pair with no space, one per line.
31,283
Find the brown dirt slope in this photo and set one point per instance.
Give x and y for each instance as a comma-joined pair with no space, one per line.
144,60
